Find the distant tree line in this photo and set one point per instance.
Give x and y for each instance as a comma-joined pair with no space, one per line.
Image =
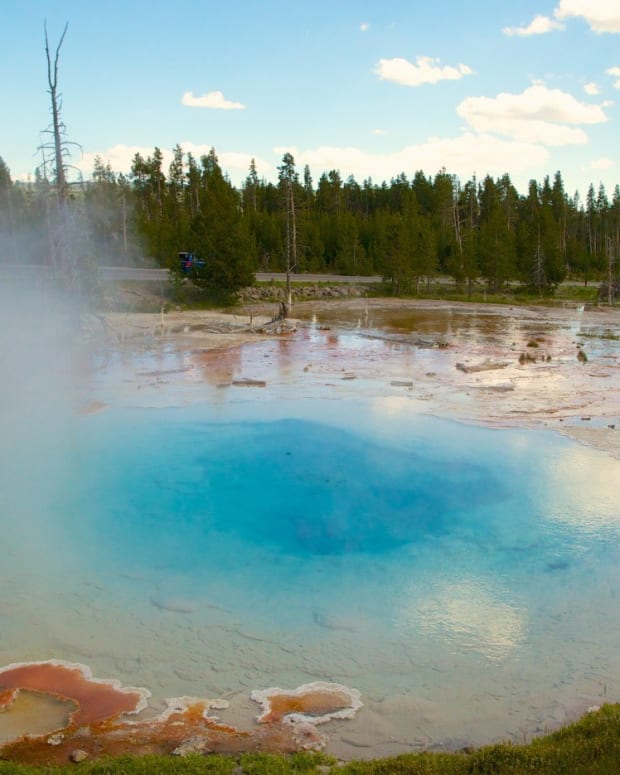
407,230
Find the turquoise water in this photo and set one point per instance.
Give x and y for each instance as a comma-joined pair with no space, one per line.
201,550
293,504
465,580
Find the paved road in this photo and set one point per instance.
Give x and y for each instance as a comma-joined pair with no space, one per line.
161,275
132,273
280,277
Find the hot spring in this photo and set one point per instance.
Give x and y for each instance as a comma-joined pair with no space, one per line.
464,579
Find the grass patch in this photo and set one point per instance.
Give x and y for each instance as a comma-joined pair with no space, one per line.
609,335
591,746
511,293
178,291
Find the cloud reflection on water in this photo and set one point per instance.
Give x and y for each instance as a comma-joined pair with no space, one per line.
579,489
470,615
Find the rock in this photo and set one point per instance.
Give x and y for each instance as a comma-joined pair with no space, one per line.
247,382
79,755
307,738
196,744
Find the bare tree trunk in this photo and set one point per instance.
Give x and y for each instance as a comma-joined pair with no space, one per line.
291,245
125,251
610,271
539,267
65,234
12,223
457,224
52,80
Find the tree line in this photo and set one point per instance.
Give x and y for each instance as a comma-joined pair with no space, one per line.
406,230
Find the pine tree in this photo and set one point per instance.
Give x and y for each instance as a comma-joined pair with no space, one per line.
289,182
217,232
496,245
8,228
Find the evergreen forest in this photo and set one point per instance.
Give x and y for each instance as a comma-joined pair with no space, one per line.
407,230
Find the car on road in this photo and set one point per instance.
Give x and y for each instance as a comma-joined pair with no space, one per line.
189,262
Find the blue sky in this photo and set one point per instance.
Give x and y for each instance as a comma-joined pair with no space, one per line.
369,88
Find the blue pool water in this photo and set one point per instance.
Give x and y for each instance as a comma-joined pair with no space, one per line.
200,550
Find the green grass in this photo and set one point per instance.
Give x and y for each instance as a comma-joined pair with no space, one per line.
510,294
177,292
605,335
589,747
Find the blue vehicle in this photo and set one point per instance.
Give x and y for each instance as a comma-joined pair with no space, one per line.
189,262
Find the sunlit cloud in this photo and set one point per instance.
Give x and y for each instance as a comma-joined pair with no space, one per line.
425,70
602,164
120,158
379,132
462,155
213,99
537,115
592,89
600,15
364,27
615,73
539,25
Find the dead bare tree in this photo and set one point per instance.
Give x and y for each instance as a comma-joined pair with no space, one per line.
64,232
57,128
291,244
288,178
611,262
539,266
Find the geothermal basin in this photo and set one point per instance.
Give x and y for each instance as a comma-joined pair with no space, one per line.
387,499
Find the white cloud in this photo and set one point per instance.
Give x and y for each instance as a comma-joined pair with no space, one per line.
213,99
425,70
379,132
601,15
120,157
463,155
592,89
364,27
537,115
602,164
234,160
538,26
615,73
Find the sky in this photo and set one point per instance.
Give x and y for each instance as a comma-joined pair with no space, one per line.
367,87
